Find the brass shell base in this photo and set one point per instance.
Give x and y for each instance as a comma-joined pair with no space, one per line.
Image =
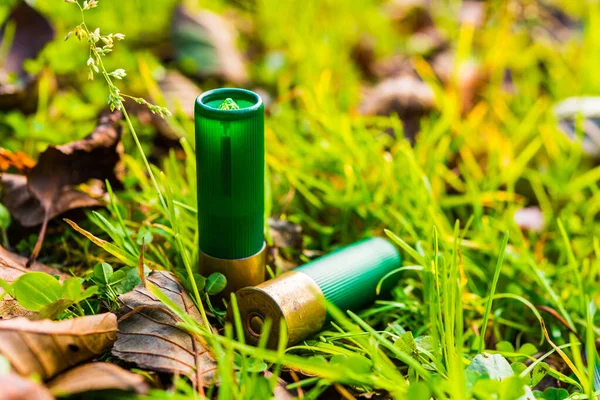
240,272
293,297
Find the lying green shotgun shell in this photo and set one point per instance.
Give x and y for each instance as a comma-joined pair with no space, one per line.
346,278
230,154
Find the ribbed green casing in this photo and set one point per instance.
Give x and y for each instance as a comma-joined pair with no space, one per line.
230,152
349,276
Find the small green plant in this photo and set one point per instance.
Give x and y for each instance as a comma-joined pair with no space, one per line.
43,293
112,283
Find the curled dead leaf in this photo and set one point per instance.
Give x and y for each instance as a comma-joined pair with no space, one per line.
410,14
285,233
150,338
93,157
28,211
205,46
406,96
15,387
46,347
29,32
48,189
97,376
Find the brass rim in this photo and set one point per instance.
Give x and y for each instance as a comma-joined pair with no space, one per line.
292,298
241,272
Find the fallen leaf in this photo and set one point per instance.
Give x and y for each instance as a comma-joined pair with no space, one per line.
411,14
46,347
50,183
205,46
15,387
11,267
393,66
363,55
285,233
97,376
149,337
28,211
279,391
93,157
413,19
405,95
19,161
29,32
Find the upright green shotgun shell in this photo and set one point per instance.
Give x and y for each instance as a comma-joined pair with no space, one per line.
346,278
230,152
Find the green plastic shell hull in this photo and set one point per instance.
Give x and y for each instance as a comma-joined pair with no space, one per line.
230,152
349,276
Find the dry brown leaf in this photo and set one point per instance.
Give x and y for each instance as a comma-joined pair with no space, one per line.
46,347
10,308
406,96
15,387
93,157
205,46
413,19
28,211
11,267
285,233
97,376
19,161
31,33
149,337
50,183
403,95
412,13
279,391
